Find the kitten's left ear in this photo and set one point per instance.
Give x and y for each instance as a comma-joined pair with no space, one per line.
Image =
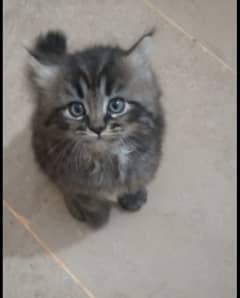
139,52
42,75
45,57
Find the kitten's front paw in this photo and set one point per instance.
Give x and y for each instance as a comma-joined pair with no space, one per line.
74,209
95,212
99,217
133,202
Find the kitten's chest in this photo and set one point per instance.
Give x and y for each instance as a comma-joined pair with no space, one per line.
123,162
110,168
108,171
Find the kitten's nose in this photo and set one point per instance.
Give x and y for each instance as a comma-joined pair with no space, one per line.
97,129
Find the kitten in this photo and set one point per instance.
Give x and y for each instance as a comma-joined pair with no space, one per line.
98,124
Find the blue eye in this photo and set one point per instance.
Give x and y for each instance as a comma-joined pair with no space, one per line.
76,110
116,105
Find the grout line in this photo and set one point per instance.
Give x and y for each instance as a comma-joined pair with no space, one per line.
24,222
188,35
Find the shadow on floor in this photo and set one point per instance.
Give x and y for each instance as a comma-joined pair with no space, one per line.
30,194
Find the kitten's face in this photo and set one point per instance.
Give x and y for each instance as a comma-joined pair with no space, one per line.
98,96
95,115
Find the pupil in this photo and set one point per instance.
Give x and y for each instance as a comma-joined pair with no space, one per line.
115,105
76,109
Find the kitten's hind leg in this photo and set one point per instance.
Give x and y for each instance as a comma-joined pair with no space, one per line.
133,201
94,211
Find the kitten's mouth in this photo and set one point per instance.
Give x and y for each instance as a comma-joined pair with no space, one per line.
97,137
92,137
105,136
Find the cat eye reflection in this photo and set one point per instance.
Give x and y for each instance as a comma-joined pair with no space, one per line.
75,111
116,106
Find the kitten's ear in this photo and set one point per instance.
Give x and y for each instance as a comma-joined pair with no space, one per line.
40,74
139,52
45,57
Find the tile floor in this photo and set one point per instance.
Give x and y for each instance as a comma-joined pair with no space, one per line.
182,244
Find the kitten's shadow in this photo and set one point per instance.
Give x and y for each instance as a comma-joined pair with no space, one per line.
30,194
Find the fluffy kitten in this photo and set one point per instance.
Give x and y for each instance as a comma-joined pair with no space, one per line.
98,124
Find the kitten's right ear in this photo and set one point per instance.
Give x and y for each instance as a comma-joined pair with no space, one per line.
45,57
138,54
143,45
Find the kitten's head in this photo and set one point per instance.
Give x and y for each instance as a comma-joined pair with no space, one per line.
100,94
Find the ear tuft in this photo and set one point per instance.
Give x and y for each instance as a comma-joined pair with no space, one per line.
143,44
52,43
137,55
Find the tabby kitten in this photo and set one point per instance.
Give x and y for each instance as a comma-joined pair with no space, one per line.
98,124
